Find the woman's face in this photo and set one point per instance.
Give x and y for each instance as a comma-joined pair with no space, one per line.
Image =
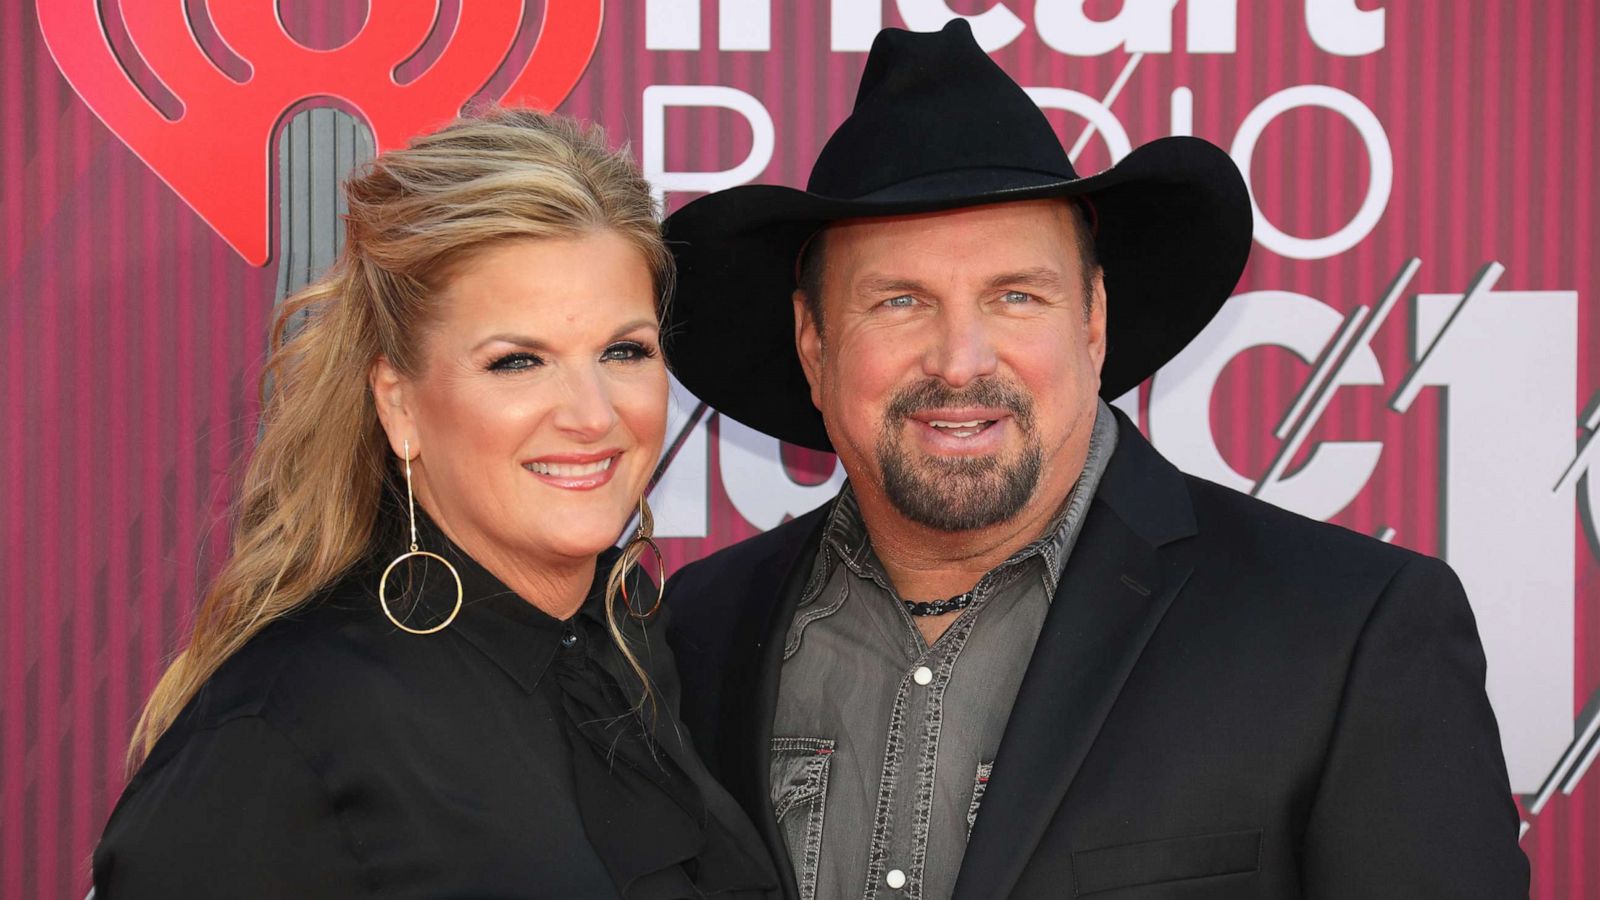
540,405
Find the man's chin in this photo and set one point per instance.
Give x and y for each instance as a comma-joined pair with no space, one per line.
946,498
942,513
931,467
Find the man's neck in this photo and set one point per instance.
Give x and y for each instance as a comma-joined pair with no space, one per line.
928,564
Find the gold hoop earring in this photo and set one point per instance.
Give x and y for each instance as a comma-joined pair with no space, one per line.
383,583
642,535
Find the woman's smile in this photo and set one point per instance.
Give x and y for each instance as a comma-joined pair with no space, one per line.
575,471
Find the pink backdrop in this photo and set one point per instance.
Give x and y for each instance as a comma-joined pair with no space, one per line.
134,330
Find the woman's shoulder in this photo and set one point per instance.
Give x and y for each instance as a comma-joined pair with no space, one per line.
302,658
215,776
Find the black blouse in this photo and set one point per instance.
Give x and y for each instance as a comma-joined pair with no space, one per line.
337,756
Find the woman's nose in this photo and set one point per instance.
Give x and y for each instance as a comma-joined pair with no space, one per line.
586,411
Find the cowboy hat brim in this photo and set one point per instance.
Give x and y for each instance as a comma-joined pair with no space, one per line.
1172,231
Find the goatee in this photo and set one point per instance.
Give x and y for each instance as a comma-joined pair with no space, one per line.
958,493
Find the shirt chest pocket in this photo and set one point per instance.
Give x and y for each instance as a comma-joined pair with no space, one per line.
799,780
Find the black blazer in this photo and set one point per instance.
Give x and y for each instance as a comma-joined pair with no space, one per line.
1226,700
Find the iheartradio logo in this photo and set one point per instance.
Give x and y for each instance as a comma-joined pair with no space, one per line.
215,151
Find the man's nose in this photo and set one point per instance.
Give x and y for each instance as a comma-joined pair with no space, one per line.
585,410
963,349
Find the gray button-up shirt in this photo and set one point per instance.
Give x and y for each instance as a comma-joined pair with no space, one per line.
883,744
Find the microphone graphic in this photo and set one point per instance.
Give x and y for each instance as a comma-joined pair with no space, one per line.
213,148
317,151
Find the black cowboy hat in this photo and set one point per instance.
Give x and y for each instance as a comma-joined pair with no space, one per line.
938,125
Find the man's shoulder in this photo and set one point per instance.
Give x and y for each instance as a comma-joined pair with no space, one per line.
1241,531
727,598
1238,533
768,555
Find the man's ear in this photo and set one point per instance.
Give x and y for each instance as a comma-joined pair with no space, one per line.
390,395
1096,324
808,344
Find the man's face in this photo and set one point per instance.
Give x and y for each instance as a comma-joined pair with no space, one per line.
958,359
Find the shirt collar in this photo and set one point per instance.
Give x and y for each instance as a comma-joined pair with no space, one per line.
845,537
517,636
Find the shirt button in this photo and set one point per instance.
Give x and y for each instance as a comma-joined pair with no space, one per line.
923,675
895,879
569,640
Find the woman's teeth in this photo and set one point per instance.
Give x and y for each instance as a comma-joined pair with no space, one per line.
569,470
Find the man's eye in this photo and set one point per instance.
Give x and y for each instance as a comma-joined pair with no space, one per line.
1016,297
901,301
627,351
513,362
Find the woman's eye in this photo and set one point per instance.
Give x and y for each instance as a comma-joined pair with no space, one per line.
627,351
513,362
900,302
1016,297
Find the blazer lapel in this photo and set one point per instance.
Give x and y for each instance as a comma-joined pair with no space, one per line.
756,679
1115,589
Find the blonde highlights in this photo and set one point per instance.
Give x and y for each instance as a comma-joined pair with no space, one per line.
308,502
631,553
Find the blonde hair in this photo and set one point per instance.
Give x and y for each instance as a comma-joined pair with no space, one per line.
308,504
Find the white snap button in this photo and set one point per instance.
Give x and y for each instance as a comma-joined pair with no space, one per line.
923,675
895,879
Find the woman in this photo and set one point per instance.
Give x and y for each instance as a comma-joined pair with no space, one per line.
424,671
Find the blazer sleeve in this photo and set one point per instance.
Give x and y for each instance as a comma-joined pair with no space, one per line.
236,812
1414,801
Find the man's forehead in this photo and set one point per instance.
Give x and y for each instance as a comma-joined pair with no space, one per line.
1034,237
1043,278
989,215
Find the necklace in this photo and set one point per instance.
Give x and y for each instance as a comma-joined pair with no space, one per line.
938,607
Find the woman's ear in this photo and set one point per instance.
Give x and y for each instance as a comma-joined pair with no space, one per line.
390,395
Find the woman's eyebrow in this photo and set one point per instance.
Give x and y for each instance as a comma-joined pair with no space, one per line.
518,340
634,325
533,343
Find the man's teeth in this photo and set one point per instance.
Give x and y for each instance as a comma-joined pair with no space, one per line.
569,470
960,429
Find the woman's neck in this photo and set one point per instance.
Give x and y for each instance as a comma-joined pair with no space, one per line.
556,586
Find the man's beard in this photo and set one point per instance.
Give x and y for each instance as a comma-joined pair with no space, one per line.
960,493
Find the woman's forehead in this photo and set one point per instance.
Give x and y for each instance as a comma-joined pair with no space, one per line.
551,285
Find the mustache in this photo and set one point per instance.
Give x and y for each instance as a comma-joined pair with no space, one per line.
933,394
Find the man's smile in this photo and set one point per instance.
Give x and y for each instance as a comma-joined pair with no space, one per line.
964,431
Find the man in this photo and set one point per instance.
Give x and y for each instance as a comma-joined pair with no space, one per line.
1020,654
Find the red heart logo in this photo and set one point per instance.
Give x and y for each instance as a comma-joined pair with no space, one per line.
216,154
